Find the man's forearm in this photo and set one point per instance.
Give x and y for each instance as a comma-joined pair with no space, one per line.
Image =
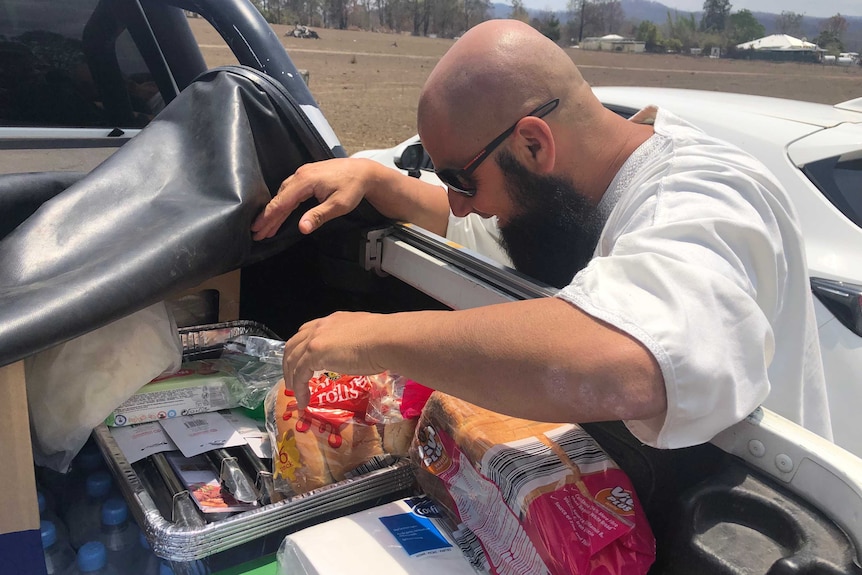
408,199
541,359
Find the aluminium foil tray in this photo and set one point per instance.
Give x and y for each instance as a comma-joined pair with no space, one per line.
184,536
184,541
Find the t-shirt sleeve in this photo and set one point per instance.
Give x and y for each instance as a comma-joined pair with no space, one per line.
478,234
691,273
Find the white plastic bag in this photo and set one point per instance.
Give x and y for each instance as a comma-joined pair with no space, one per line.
73,387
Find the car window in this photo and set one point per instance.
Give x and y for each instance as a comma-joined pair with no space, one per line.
840,180
61,66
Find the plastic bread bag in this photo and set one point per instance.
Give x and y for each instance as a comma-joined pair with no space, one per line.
256,362
384,398
333,438
394,398
73,387
544,493
396,402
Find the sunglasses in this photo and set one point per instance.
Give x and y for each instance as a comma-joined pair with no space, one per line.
461,181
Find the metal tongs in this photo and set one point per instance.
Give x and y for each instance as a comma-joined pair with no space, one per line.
263,480
231,476
183,510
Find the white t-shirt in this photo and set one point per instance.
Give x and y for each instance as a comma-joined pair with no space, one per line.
479,234
702,260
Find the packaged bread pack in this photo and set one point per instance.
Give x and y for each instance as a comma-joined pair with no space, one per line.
352,425
199,386
529,497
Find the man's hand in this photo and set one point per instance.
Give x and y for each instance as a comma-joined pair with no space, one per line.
339,185
339,342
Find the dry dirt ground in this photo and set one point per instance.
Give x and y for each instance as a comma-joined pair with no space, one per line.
367,83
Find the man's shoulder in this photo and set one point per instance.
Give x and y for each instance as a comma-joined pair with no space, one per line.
693,149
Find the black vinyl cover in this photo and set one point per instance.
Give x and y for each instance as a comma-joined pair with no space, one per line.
22,194
168,210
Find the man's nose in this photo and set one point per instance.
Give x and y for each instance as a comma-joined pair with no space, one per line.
459,203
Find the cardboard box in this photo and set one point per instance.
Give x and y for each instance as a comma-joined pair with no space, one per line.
20,540
191,306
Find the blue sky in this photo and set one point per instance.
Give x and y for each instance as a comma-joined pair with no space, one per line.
816,9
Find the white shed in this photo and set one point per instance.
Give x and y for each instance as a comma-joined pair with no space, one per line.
780,47
778,42
613,43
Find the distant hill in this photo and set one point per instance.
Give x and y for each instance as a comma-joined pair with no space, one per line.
639,10
635,10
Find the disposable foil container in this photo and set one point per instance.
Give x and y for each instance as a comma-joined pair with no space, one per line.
175,529
186,537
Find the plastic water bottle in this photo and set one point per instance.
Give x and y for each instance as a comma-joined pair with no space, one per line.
46,513
59,556
55,486
150,563
92,559
46,509
118,534
85,513
88,461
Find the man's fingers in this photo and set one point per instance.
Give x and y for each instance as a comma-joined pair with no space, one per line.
296,375
290,194
301,392
298,378
264,228
261,223
336,193
313,219
267,222
322,213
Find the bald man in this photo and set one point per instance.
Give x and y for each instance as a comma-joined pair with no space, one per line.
683,302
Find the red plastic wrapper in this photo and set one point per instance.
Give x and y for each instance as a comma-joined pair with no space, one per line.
414,398
352,424
529,497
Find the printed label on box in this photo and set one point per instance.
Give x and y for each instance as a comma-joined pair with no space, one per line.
199,387
416,534
140,441
195,434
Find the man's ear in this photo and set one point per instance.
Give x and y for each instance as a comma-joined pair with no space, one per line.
533,145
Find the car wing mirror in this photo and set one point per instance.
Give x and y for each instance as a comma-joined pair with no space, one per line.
413,159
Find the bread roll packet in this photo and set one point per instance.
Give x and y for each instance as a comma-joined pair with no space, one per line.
529,497
352,425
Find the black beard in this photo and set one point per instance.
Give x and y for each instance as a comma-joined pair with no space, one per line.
555,230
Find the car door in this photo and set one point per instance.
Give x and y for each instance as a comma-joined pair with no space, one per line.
79,78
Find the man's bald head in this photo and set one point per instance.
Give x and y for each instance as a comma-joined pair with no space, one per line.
494,74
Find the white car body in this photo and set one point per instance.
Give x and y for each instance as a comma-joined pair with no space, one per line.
785,135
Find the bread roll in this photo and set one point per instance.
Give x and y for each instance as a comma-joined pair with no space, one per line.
300,460
398,436
359,443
